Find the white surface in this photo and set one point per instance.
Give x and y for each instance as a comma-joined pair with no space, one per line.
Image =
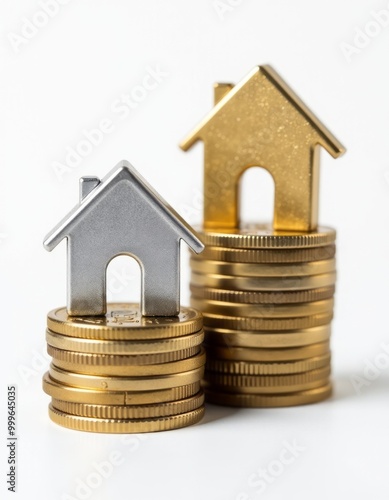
64,80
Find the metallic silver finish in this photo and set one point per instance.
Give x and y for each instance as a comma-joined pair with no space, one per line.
122,215
87,185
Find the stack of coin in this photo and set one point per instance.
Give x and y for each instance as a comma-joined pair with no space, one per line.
125,373
267,302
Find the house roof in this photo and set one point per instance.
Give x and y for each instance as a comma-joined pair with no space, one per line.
333,146
122,171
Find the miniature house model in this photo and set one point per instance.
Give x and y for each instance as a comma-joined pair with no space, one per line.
261,122
122,215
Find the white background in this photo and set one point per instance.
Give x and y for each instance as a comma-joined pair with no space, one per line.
64,79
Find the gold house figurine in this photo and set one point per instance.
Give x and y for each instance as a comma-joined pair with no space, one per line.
262,122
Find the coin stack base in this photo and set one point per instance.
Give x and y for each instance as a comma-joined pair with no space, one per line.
125,373
267,301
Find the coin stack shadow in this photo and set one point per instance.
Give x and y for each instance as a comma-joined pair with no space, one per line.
125,373
267,302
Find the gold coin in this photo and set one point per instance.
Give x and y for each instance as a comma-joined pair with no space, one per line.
236,338
252,354
266,382
121,412
100,361
101,397
133,384
263,284
263,236
259,256
129,347
269,400
124,321
263,310
134,370
238,297
125,426
252,385
262,270
245,368
240,323
269,390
